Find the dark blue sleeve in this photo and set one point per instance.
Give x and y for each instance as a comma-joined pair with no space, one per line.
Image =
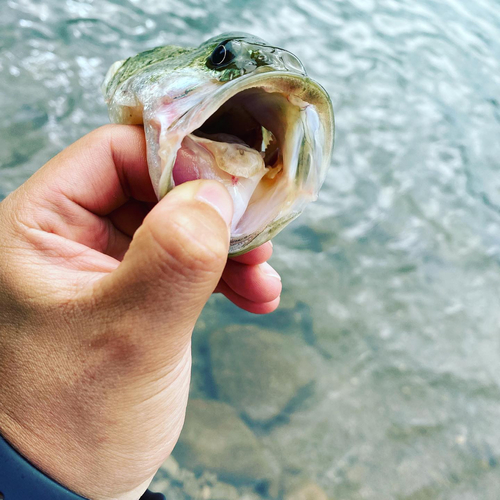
19,480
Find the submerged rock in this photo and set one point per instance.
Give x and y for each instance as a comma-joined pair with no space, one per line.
215,439
222,491
171,468
305,490
259,371
182,484
250,496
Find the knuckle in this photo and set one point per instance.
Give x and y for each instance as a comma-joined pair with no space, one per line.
104,131
102,134
192,239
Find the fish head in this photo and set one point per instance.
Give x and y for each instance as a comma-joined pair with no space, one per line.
234,109
234,55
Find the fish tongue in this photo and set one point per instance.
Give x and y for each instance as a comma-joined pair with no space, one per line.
237,166
222,137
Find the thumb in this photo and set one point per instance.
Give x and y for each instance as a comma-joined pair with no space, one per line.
174,262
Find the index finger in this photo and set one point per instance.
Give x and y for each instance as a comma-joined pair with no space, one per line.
102,170
256,256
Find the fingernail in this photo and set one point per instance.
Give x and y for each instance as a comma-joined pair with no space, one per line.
271,243
269,271
216,195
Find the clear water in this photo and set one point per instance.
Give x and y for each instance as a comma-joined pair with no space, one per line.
392,278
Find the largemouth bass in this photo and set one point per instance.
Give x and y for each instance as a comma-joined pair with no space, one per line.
234,109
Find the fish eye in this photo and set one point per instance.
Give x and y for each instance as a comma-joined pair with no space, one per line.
222,55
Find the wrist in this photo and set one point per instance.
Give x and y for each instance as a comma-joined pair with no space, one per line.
20,480
33,459
71,466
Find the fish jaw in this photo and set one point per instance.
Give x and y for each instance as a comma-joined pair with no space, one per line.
307,146
163,108
239,170
173,92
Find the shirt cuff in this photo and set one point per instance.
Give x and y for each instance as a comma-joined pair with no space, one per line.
19,480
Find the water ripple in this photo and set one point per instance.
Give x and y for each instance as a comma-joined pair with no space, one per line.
393,275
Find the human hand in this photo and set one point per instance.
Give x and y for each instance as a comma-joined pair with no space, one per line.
99,292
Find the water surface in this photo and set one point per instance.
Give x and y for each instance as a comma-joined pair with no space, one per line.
391,280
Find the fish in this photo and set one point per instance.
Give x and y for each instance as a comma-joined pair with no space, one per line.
235,109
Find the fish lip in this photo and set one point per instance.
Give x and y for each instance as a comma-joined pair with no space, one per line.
271,80
226,91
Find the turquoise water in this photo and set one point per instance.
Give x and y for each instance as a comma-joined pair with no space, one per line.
379,376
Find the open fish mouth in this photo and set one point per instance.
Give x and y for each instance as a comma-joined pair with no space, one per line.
237,110
267,137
